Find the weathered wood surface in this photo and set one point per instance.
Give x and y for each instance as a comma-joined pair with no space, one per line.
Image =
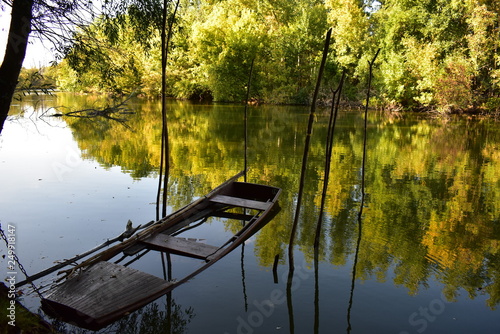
241,202
102,293
180,246
189,218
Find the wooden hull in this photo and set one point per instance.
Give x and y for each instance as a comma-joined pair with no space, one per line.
104,292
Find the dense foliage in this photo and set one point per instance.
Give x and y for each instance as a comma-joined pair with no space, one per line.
436,54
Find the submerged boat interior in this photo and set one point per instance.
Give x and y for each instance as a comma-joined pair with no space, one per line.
100,290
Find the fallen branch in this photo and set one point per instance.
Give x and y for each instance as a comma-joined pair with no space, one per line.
107,112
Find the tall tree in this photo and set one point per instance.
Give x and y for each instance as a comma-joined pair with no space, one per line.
53,21
56,22
17,42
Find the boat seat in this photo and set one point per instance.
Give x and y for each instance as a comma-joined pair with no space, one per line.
241,202
101,293
180,246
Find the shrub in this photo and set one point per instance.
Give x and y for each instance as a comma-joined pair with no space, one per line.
453,91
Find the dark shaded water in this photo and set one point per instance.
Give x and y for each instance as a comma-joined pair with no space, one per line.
427,257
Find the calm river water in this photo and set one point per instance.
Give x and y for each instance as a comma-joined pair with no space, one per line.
426,260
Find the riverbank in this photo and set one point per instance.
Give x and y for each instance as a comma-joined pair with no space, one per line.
23,321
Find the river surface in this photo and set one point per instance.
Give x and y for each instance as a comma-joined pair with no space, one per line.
423,258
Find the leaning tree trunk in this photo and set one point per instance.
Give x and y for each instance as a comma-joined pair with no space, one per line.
20,28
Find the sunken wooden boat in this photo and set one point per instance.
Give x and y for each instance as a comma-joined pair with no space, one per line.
99,291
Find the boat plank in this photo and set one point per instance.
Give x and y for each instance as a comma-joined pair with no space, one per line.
232,215
102,292
180,246
242,202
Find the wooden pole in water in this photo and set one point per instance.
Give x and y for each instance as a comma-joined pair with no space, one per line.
164,128
165,154
245,168
291,264
365,129
308,140
246,119
329,146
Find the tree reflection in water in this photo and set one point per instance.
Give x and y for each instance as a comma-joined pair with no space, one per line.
433,205
148,320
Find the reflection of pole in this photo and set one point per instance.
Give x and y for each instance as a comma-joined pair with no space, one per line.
360,214
329,146
301,183
167,275
167,268
353,281
163,266
245,298
275,268
289,301
316,290
169,314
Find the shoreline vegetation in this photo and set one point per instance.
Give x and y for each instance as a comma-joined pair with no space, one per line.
436,56
25,320
326,103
